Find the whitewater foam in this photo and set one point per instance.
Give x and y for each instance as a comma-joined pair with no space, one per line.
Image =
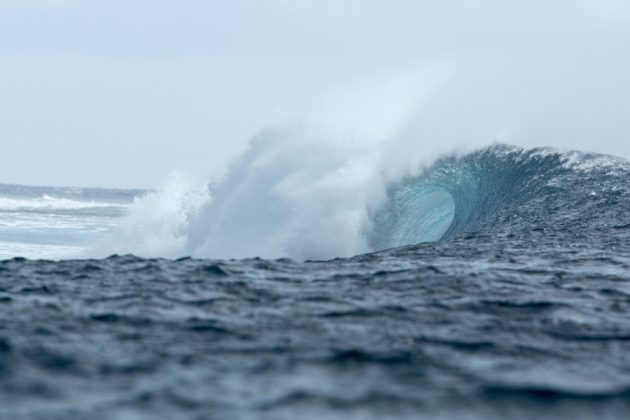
57,222
159,222
50,203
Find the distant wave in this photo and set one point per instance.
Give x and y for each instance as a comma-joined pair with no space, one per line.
49,203
57,222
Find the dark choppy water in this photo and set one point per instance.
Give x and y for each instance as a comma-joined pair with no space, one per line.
521,311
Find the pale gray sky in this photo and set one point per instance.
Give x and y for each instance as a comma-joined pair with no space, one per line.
121,92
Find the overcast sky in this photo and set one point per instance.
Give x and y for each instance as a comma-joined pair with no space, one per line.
119,93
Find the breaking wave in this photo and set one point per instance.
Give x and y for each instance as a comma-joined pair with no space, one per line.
315,200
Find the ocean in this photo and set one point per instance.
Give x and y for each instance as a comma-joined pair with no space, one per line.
493,284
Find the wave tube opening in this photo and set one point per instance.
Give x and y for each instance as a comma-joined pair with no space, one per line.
414,213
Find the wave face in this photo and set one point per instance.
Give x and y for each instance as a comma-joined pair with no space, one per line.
505,191
307,200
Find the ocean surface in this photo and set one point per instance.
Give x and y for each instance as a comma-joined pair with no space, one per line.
494,285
